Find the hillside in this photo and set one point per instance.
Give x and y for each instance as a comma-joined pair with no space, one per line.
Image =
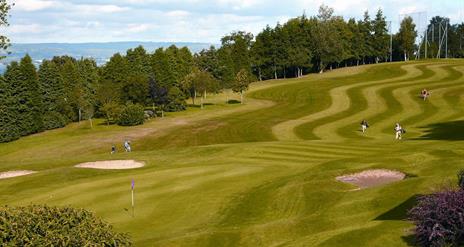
263,173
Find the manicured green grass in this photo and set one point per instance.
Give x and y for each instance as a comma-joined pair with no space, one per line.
262,173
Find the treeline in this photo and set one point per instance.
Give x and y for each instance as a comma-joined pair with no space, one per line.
126,90
140,84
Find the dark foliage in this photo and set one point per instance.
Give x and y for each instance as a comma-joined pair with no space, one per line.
39,225
131,115
439,219
461,179
176,100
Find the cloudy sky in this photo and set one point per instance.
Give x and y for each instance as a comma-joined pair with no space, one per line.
72,21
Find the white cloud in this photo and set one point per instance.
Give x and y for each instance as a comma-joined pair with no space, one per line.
25,29
178,13
96,9
33,5
138,28
239,4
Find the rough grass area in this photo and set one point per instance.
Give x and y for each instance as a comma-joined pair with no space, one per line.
262,173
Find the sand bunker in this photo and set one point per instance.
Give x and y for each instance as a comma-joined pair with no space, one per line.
11,174
112,164
372,178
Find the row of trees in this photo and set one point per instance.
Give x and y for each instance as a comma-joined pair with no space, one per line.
66,89
62,90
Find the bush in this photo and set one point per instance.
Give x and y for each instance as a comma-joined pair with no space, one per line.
461,179
131,115
176,99
40,225
54,120
439,219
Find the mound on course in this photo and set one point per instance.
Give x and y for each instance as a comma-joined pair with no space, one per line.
262,173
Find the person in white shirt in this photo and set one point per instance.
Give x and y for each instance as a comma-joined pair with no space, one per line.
364,125
398,131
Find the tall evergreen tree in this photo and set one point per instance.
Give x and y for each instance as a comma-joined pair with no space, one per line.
30,118
52,90
8,105
380,37
163,69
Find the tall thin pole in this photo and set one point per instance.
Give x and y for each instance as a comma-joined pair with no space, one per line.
132,190
446,44
391,41
426,41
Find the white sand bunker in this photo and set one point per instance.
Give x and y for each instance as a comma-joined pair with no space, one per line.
11,174
372,178
112,164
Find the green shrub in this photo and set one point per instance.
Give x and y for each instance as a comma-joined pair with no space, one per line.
40,225
176,100
131,115
461,179
53,120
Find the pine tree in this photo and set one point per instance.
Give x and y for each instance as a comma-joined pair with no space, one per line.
8,110
380,37
52,90
30,118
163,69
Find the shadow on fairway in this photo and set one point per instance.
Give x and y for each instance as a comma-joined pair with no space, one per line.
410,240
447,131
233,101
399,212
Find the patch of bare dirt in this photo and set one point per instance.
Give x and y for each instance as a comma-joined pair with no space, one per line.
372,178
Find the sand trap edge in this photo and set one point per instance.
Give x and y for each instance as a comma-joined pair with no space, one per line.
12,174
112,165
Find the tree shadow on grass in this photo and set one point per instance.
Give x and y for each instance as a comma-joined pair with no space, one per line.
409,239
233,101
447,131
399,212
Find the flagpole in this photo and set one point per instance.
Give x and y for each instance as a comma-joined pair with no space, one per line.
133,183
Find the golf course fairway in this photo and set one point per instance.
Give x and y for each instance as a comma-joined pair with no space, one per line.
262,173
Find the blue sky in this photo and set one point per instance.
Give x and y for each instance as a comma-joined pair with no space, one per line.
72,21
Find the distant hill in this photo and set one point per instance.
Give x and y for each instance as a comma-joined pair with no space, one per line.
101,52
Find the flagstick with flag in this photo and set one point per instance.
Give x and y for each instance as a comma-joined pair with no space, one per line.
132,186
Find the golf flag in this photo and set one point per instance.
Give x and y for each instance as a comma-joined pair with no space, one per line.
132,184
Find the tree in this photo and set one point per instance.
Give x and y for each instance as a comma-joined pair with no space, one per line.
29,98
241,83
380,37
131,115
111,110
4,9
325,45
238,46
200,83
8,111
299,53
162,68
158,93
407,37
53,99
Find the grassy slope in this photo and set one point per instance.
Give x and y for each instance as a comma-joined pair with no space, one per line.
262,174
